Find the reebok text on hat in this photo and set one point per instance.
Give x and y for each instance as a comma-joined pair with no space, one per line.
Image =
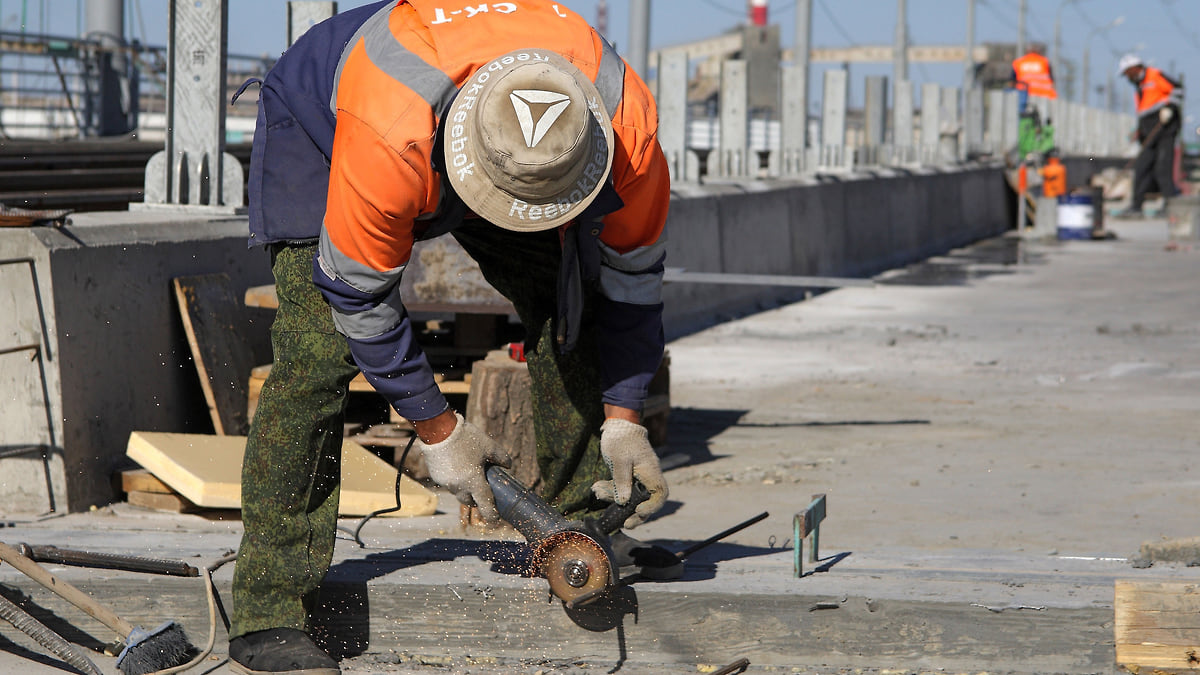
528,142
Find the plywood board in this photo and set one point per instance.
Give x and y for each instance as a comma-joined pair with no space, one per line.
1157,625
212,320
208,471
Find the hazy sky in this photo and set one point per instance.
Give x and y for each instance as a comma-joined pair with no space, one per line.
1165,32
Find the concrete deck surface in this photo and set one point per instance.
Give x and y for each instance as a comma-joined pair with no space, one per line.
997,431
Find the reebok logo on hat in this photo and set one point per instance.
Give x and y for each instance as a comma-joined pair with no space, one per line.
551,106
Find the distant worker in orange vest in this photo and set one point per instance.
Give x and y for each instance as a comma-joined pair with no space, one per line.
1159,99
1032,73
1054,177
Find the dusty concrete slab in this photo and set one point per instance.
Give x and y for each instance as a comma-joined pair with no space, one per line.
998,432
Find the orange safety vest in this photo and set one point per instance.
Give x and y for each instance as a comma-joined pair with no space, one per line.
381,177
1033,75
1154,91
1054,179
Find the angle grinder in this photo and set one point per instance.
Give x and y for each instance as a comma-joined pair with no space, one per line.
572,555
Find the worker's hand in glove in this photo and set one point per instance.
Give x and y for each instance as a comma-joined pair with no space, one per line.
458,462
626,449
1165,115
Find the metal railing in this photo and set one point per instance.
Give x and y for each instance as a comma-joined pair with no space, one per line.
50,87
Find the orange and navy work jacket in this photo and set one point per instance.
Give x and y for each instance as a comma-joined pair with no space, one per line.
1032,73
1156,91
349,120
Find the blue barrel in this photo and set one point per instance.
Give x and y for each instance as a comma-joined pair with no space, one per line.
1075,216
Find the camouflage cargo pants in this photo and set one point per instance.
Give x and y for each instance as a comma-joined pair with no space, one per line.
290,474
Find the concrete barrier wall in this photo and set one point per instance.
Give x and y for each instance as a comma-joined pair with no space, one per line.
116,356
107,354
853,226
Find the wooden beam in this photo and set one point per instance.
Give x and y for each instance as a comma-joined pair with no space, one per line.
1157,625
211,319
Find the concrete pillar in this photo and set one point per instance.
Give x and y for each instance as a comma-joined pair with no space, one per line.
949,127
672,111
931,123
639,36
995,121
111,108
304,14
900,45
902,122
194,171
833,118
734,160
973,123
794,120
973,115
876,110
1012,115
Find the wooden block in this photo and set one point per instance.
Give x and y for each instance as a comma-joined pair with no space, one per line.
141,480
1157,625
208,471
501,404
212,320
162,502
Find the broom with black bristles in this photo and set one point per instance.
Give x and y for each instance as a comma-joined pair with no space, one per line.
146,651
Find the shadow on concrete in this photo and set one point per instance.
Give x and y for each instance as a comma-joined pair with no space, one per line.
990,257
48,618
827,563
834,423
691,429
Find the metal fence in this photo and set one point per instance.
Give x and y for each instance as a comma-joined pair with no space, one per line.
50,88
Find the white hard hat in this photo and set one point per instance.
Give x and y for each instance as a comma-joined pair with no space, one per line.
1128,61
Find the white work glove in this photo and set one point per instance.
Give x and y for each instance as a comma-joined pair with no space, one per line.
1165,115
626,449
458,463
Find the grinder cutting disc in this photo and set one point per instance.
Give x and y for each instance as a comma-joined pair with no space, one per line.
574,564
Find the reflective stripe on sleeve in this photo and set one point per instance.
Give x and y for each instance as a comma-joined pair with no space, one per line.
393,58
610,78
361,319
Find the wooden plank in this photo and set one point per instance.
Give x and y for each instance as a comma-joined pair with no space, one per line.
208,471
141,480
1157,625
211,318
161,502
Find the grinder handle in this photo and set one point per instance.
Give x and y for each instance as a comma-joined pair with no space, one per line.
614,515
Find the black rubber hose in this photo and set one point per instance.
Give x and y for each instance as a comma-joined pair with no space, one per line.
46,637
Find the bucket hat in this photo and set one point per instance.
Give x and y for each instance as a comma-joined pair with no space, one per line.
528,144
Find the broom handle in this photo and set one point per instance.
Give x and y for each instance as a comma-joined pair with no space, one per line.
65,591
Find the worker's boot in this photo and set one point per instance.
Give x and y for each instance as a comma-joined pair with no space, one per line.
652,562
279,651
1130,213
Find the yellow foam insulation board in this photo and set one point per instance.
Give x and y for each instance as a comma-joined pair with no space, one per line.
208,471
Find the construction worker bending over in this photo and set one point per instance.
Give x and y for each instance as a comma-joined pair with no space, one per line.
520,132
1159,100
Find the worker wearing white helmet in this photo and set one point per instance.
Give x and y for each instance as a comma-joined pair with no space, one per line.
1159,99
